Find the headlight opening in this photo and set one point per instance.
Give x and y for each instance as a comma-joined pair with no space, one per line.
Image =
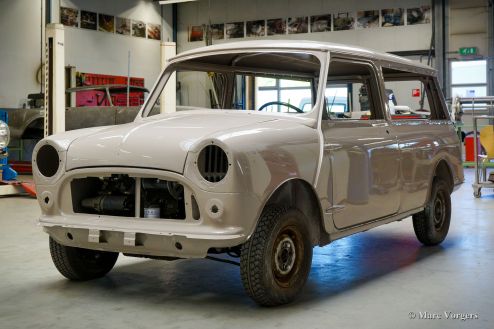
213,163
47,160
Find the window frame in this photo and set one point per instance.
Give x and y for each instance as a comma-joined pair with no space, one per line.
375,87
431,88
463,85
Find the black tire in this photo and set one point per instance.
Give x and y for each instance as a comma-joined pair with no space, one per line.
80,264
275,262
431,225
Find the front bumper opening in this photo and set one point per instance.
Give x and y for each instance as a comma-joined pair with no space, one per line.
121,195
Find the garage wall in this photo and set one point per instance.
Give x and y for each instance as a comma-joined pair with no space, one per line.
20,50
401,38
468,26
107,53
88,51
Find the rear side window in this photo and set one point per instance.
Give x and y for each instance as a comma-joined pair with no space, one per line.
411,96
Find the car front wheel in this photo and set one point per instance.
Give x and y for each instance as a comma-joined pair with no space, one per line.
276,261
432,224
80,264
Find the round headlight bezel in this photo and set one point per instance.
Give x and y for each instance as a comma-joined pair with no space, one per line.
4,135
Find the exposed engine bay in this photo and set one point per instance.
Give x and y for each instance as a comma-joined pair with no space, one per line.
115,195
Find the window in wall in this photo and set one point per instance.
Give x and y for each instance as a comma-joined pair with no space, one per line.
469,78
279,90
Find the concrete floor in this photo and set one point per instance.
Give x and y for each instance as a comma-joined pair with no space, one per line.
370,280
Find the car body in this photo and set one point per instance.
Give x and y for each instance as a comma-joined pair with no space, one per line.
28,123
266,187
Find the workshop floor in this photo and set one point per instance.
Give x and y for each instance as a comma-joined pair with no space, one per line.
370,280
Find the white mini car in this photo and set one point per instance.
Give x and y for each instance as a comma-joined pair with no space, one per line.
242,171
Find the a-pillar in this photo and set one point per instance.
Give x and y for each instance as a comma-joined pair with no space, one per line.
169,95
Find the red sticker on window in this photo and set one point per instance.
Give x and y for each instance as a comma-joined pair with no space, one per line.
415,92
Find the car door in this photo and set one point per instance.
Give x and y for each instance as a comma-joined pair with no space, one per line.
361,147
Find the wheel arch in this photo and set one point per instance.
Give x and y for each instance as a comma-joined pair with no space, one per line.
298,193
443,171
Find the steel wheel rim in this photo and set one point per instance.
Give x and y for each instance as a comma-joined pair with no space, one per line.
439,211
287,256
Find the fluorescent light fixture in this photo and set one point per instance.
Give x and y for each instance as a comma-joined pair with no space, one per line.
169,2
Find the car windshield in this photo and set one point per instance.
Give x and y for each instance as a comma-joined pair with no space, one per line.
275,82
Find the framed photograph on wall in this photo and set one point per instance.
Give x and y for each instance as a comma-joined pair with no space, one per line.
88,20
69,17
123,26
367,19
234,30
421,15
154,31
217,31
392,17
276,26
196,33
343,21
320,23
255,28
106,23
138,29
297,25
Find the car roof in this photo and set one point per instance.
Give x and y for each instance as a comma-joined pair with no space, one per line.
388,60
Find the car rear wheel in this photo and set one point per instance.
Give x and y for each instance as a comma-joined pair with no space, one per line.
432,224
80,264
276,261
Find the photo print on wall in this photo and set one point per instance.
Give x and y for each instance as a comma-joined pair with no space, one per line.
154,31
123,26
392,17
69,17
196,33
217,31
320,23
343,21
88,20
106,23
297,25
234,30
276,26
138,29
256,28
422,15
367,19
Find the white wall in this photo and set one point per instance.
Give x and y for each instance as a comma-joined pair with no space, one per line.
88,51
107,53
20,50
468,26
416,37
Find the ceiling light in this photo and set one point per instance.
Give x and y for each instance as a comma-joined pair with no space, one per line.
169,2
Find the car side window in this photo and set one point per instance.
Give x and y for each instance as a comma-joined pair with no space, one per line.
407,98
351,91
412,96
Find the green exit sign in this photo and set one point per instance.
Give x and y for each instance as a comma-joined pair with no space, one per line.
468,51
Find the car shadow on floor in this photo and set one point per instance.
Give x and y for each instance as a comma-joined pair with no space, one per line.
344,265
